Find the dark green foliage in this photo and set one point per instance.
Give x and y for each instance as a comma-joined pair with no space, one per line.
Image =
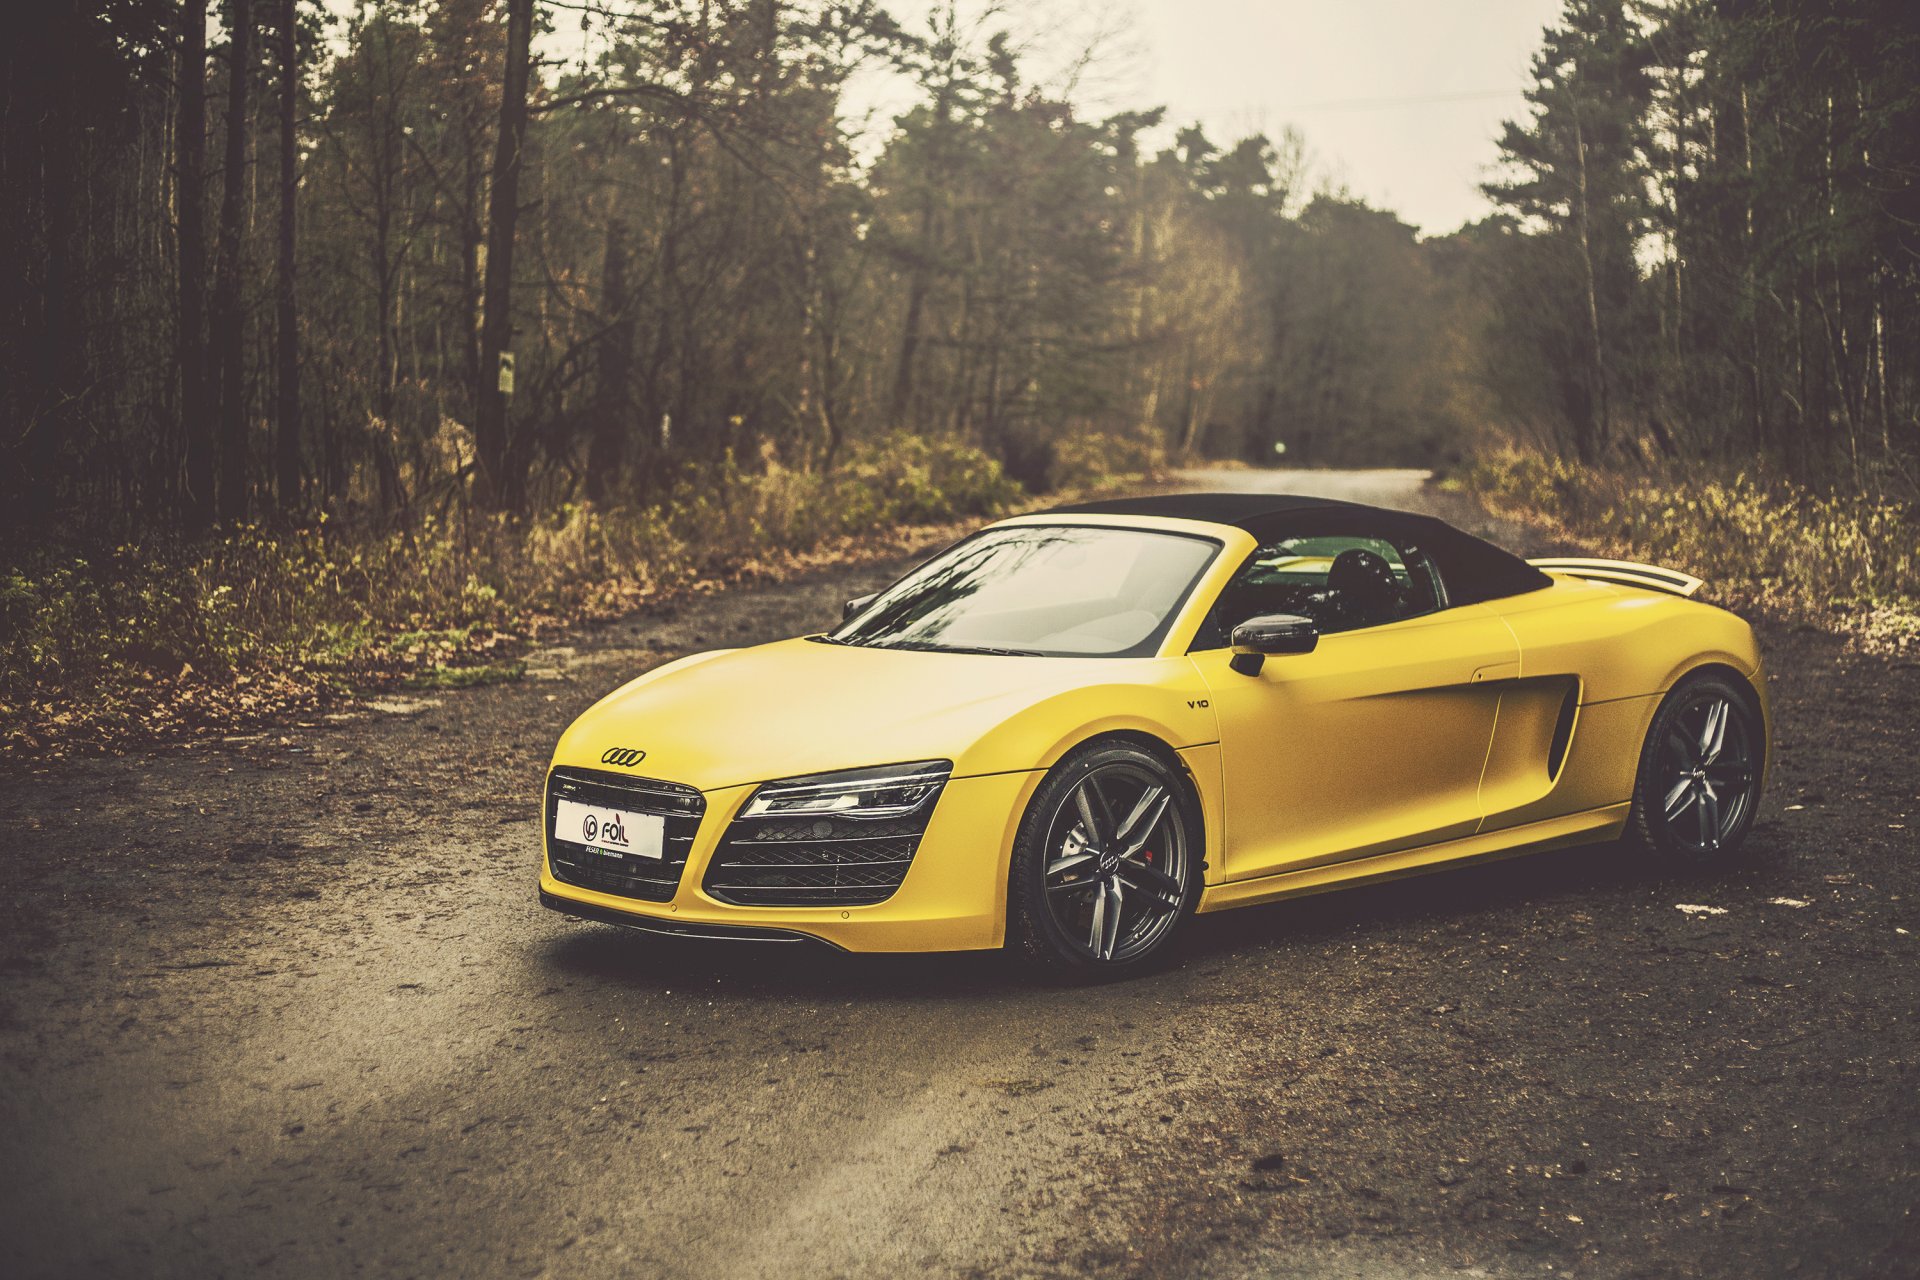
1739,276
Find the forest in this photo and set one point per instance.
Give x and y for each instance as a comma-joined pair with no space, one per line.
333,330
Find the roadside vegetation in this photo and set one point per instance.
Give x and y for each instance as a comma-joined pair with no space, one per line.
250,625
1843,562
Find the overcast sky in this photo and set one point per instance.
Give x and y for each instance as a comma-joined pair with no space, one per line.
1398,99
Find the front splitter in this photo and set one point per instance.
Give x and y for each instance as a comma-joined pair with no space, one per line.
674,928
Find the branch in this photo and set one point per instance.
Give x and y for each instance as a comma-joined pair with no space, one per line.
653,91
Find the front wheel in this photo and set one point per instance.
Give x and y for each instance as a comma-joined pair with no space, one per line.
1699,779
1106,864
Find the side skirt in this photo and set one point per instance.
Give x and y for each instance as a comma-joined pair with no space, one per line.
1535,837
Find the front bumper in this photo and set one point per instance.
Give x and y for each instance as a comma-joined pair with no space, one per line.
954,896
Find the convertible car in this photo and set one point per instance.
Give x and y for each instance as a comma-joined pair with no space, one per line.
1069,732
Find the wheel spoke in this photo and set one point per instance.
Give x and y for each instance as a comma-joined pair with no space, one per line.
1151,879
1153,902
1730,774
1094,811
1067,862
1110,921
1146,815
1071,887
1098,927
1678,798
1709,818
1713,734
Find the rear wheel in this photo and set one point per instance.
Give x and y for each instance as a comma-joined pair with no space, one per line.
1106,864
1699,772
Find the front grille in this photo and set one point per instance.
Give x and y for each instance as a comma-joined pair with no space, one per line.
814,861
628,875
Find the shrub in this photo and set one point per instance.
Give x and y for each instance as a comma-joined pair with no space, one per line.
1087,459
90,646
143,641
1849,560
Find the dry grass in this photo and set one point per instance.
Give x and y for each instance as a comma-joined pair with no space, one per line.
1844,562
144,643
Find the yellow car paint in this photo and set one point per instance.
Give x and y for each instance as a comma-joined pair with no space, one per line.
1386,751
1304,798
944,904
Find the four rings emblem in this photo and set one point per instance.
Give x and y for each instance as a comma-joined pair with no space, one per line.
625,757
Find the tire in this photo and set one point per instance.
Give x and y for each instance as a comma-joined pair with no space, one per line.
1090,909
1698,784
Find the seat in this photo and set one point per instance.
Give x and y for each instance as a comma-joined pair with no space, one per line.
1362,590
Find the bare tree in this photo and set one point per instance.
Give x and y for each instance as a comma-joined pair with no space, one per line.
614,413
497,487
286,439
196,427
229,323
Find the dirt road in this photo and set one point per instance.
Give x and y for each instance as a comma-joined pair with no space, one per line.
286,1006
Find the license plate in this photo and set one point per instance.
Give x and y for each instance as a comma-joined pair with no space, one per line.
605,830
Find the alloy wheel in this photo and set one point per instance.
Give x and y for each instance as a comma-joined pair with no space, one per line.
1116,868
1706,771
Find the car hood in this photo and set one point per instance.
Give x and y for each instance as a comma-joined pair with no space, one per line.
802,706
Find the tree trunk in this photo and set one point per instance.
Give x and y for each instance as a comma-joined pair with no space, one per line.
59,375
229,329
1756,385
900,408
614,412
659,381
497,488
286,440
1593,432
899,413
196,426
470,241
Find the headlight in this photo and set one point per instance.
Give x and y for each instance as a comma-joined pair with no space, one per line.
889,791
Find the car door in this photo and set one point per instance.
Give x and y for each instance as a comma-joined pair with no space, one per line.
1371,743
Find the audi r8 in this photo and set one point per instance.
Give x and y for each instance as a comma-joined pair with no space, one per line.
1072,732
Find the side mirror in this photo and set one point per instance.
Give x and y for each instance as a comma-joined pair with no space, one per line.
1271,633
856,605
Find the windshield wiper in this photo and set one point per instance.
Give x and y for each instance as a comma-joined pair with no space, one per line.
922,646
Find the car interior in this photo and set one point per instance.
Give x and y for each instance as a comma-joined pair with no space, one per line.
1340,582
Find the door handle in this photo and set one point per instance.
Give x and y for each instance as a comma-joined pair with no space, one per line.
1496,671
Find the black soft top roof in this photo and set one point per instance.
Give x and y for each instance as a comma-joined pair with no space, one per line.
1472,568
1237,509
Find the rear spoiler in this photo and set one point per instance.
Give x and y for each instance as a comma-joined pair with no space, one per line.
1626,572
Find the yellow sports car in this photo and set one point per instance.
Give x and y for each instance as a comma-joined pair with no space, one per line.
1071,731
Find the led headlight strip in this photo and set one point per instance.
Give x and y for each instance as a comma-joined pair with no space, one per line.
889,791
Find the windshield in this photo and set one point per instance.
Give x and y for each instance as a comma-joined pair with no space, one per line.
1056,590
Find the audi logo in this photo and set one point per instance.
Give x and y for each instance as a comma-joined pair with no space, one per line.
625,757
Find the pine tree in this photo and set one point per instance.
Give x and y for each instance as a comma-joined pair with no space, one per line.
1581,179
